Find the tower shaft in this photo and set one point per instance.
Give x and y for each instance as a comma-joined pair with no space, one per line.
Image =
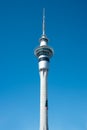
43,100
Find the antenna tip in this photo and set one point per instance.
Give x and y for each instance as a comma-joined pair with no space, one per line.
43,11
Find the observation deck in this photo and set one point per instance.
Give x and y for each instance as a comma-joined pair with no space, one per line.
43,50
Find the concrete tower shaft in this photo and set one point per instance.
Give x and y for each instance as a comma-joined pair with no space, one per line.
43,100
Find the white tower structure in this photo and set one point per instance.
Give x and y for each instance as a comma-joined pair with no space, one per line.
43,53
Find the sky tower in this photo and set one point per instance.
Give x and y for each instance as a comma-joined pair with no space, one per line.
43,53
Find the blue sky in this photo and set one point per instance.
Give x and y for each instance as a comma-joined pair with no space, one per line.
20,30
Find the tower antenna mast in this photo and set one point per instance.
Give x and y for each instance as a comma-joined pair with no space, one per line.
43,26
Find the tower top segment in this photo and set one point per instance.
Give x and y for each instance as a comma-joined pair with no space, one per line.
43,37
43,50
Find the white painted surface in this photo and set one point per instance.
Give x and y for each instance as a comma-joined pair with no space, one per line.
43,56
43,42
43,98
43,65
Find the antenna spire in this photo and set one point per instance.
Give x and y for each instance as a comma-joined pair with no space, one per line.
43,36
43,26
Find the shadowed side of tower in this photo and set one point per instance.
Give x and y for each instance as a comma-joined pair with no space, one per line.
43,53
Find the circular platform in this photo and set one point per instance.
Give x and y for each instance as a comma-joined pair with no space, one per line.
43,50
